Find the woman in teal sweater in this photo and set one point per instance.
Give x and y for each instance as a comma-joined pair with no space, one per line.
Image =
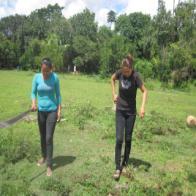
46,89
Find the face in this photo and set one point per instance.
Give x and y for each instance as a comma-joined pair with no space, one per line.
45,71
126,71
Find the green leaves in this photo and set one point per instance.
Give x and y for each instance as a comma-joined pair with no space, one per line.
84,24
111,54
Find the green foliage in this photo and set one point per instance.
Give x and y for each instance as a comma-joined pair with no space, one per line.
133,26
179,56
162,160
167,41
15,187
112,53
185,20
157,124
42,22
83,24
104,34
28,59
56,185
52,48
79,114
111,16
144,67
37,50
164,26
86,54
14,149
8,52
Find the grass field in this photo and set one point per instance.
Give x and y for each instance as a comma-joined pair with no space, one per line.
162,162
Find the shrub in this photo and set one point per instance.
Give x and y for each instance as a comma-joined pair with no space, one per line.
157,124
56,185
15,148
144,67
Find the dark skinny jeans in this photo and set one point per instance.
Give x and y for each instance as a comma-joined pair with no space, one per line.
124,129
47,123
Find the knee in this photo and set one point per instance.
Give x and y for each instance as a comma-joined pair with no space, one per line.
119,141
128,140
49,140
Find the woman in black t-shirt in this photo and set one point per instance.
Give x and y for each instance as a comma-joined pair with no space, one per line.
129,81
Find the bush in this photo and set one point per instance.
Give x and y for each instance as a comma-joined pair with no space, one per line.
56,185
157,124
79,114
180,63
144,67
15,148
111,54
15,187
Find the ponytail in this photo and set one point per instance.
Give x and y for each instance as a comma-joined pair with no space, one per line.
128,62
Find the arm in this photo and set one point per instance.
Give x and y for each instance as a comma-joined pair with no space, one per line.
144,98
114,96
34,94
58,97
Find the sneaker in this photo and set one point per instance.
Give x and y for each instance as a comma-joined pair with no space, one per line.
116,175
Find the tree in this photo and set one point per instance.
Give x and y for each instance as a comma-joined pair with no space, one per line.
8,53
111,17
137,27
38,50
104,34
86,54
83,24
53,49
185,20
164,26
112,53
28,59
41,21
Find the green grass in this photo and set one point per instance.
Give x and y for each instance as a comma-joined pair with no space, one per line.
163,158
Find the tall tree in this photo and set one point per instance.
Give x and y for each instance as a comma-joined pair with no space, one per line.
111,17
84,24
164,26
185,20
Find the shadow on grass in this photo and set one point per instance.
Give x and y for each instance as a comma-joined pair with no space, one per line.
58,161
138,163
37,176
192,177
61,161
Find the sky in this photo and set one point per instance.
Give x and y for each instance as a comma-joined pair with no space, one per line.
71,7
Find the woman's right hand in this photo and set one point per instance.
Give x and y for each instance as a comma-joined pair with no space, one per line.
115,98
33,107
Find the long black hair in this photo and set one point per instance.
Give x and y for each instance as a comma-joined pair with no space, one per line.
47,62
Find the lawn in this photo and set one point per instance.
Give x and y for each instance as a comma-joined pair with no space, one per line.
162,162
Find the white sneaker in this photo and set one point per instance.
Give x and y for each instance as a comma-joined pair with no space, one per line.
116,175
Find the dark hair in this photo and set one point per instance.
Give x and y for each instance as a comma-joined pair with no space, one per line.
128,61
47,62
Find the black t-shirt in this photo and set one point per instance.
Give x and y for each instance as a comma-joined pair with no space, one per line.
127,91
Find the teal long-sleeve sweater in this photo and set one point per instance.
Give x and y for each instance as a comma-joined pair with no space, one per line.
47,92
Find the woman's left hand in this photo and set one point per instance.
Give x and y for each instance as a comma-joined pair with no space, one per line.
142,112
58,116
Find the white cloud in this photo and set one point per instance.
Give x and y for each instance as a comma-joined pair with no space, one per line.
150,7
71,7
26,6
101,16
